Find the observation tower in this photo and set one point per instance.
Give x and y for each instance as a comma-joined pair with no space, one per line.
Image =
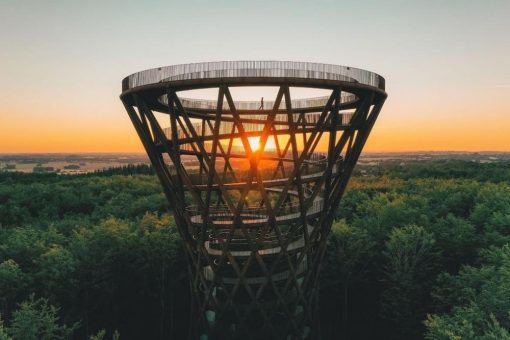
254,184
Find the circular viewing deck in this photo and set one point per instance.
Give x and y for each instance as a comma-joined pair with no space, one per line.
264,71
153,83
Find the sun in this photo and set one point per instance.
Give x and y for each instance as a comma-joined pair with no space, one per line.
255,143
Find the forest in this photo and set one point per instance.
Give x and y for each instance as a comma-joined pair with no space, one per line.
418,250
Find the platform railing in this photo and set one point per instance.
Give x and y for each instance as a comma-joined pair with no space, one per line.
237,69
300,103
227,127
253,213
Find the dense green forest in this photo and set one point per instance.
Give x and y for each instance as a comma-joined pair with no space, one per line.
418,251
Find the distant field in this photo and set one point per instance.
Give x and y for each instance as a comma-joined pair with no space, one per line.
86,162
89,162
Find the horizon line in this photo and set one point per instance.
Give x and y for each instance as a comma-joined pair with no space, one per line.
143,152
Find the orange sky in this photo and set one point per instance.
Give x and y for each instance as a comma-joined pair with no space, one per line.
447,76
401,127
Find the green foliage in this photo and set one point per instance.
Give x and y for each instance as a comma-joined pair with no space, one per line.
426,238
350,249
444,169
37,320
129,169
101,335
456,237
12,282
3,331
40,200
480,297
409,257
460,327
492,214
56,267
387,219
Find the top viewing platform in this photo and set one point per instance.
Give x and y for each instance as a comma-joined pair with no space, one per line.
251,72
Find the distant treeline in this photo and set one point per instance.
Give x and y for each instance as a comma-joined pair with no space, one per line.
497,171
130,169
418,250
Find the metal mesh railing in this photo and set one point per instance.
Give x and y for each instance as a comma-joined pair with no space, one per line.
256,69
226,127
287,211
301,103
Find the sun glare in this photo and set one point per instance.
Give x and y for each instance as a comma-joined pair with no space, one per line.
255,143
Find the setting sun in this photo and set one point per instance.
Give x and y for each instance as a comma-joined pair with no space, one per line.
255,143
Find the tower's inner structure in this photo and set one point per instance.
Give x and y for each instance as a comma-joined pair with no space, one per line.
254,185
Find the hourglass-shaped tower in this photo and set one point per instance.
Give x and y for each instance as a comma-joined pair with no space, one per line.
254,185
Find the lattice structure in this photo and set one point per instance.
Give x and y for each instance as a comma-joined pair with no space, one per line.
254,186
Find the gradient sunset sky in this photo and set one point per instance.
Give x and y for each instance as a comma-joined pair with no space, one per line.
446,63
